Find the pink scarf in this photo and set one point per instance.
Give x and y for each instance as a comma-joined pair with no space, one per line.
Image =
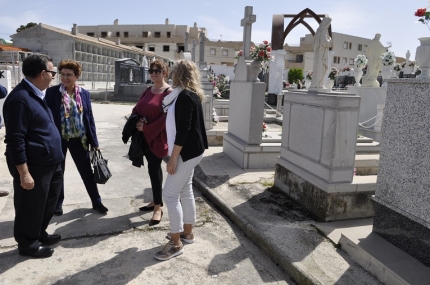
66,100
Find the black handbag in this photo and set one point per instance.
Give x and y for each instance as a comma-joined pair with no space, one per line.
100,167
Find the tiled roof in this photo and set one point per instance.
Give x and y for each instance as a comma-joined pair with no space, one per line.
99,41
12,48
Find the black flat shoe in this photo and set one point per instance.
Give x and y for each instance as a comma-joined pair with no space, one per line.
40,252
100,207
156,222
58,211
146,208
50,239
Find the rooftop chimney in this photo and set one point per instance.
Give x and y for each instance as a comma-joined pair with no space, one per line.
75,29
115,22
167,21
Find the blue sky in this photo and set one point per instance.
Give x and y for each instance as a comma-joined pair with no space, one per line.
394,20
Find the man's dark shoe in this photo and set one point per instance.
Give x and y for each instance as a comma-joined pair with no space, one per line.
50,239
58,211
40,252
100,207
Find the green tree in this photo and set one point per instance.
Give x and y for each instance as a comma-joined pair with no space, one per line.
295,74
22,27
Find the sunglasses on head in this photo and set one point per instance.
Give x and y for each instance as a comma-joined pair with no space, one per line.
157,71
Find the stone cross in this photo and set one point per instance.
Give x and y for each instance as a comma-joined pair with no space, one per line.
202,39
246,23
193,51
187,35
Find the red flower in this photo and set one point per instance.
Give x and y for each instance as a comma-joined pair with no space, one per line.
420,12
269,49
266,42
261,53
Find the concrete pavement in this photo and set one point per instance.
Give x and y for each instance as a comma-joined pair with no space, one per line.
118,248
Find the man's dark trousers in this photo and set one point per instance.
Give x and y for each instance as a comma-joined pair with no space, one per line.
34,208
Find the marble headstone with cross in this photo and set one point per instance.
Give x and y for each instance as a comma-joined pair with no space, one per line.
243,142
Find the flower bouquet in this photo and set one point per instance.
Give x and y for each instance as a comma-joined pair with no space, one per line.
360,61
333,73
238,54
397,67
262,53
264,127
309,75
388,58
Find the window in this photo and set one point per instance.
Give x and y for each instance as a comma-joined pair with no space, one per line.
350,45
336,59
144,34
299,58
181,48
157,35
90,34
365,48
224,52
169,35
345,45
118,34
213,51
344,60
151,48
351,61
166,48
360,47
125,34
104,34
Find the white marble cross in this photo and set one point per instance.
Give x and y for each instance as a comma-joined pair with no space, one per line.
246,23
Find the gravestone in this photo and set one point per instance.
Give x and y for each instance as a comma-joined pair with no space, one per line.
402,197
206,85
187,36
130,80
315,168
243,141
193,51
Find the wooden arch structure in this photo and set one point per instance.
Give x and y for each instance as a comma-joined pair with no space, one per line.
278,32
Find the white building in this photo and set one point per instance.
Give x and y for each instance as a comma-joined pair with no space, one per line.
345,48
168,40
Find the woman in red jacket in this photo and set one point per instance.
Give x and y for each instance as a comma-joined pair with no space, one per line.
153,126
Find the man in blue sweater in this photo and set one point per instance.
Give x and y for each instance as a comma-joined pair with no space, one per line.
33,155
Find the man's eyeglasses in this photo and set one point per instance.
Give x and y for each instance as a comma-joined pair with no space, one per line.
67,75
52,72
157,71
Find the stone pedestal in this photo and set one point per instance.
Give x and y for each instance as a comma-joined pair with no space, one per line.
372,98
319,135
402,198
243,142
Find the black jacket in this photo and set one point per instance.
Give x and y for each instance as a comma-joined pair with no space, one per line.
138,146
190,125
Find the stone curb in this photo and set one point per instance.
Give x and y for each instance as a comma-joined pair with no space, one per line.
280,258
